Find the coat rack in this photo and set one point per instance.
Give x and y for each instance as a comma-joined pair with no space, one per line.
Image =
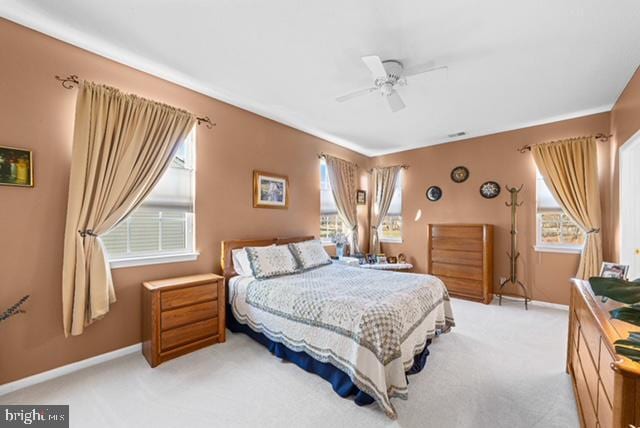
514,254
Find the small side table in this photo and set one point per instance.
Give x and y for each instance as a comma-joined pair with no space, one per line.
349,261
388,266
180,315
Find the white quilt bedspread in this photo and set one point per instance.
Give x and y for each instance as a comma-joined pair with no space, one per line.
368,323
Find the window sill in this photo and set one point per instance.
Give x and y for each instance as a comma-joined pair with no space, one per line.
557,249
391,241
153,260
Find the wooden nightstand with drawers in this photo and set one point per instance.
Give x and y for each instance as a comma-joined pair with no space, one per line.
180,315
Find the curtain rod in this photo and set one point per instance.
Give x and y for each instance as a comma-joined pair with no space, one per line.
600,137
403,166
323,155
72,81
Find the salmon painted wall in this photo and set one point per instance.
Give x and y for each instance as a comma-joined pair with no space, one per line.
625,122
36,113
494,157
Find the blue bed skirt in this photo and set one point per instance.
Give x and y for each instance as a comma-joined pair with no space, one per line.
338,379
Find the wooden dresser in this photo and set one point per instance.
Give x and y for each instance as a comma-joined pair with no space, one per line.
606,385
461,255
180,315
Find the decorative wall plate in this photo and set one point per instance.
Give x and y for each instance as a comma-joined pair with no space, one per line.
434,193
459,174
490,189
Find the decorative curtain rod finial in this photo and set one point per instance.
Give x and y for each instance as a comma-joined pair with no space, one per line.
69,82
602,137
206,120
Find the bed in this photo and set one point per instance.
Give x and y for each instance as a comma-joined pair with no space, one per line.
362,330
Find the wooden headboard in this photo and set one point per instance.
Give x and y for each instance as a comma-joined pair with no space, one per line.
226,260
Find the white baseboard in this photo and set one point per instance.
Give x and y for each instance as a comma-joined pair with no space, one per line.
69,368
536,302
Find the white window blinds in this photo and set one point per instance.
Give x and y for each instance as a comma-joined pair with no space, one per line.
163,224
545,202
327,202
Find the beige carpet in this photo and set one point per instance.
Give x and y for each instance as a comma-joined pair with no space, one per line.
500,367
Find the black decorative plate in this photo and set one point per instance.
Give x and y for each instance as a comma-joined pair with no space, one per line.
490,189
434,193
459,174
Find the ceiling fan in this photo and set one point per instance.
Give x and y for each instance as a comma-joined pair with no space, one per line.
387,75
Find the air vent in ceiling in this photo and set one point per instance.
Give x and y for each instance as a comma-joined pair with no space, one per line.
457,134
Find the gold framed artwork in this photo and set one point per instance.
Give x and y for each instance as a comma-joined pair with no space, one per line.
361,197
270,190
16,167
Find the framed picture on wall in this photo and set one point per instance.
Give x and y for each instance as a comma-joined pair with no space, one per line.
270,190
361,197
16,167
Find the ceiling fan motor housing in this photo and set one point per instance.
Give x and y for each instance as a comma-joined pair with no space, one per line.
394,75
393,68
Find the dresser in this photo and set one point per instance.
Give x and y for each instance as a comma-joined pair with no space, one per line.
607,386
180,315
461,255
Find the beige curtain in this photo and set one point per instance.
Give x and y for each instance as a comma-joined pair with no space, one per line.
384,184
122,145
570,170
342,179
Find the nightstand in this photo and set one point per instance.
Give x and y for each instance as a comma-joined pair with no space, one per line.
349,261
389,266
180,315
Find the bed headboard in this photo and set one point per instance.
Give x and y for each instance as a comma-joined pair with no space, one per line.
227,246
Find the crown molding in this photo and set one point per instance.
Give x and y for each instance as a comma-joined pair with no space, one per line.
498,130
34,20
44,24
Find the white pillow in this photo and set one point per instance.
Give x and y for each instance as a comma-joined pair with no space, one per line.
271,261
241,262
310,254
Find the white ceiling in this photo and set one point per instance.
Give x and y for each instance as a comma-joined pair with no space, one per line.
511,63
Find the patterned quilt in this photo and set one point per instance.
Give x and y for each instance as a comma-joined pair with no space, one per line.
368,323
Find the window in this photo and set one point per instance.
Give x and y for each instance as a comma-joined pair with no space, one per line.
555,229
162,228
330,221
391,227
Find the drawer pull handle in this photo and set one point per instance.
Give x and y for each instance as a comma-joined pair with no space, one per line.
614,366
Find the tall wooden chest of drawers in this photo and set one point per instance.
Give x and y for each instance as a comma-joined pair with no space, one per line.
461,255
180,315
606,385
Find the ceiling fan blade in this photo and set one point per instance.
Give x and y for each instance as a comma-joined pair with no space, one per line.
355,94
395,102
375,65
424,68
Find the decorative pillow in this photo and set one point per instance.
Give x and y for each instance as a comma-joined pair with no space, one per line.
310,254
241,262
271,261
